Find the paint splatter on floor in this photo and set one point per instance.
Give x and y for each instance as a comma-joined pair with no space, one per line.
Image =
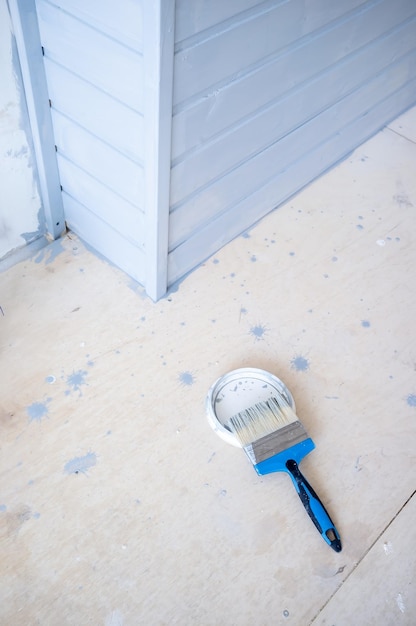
186,379
50,252
300,364
37,411
411,399
258,332
365,324
81,464
75,381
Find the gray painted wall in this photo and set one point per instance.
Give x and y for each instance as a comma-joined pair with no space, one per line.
180,123
93,58
22,219
267,96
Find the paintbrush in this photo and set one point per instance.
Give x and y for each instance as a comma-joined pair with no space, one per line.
275,441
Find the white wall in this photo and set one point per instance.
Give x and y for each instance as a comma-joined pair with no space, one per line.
21,213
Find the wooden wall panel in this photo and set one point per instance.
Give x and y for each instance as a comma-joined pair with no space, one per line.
245,213
228,104
124,24
199,15
238,49
93,59
99,159
229,151
110,207
254,99
93,109
91,55
93,230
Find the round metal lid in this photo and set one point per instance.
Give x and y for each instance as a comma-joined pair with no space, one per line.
238,390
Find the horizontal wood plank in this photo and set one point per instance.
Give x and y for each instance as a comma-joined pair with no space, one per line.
231,102
198,15
217,232
243,181
121,21
227,56
109,65
99,159
96,111
125,218
105,239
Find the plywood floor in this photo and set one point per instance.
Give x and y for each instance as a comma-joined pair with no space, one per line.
119,506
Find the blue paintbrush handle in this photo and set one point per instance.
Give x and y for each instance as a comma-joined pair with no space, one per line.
314,506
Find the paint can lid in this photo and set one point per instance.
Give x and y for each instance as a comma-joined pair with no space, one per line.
238,390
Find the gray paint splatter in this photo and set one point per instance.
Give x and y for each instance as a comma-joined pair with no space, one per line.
411,399
186,379
300,364
75,380
50,252
37,411
81,464
258,332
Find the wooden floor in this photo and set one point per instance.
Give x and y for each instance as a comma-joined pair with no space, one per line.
119,506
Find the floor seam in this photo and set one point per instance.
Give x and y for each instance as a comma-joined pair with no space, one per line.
363,557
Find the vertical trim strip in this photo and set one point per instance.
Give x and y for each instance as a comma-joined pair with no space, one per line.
158,49
26,32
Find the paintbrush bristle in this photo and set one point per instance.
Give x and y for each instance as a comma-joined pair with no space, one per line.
261,420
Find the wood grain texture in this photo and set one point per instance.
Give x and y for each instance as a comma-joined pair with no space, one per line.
111,478
380,591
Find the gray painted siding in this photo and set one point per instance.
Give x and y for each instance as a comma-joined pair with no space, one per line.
267,96
93,57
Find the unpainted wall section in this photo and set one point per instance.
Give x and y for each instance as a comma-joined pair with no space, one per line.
267,96
21,215
93,56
